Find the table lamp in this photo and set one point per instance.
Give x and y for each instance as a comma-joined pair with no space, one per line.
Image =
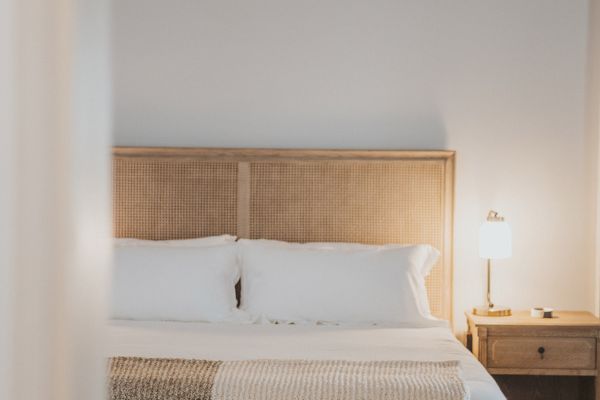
495,242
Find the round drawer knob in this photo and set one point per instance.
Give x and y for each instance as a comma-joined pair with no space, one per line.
541,350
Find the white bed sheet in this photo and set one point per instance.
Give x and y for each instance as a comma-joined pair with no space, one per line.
227,341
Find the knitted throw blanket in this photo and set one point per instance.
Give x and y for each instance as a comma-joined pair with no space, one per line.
132,378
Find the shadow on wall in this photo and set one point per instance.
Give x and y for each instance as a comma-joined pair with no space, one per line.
402,132
408,132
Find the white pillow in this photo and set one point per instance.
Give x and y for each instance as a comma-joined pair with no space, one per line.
175,283
434,254
197,242
343,284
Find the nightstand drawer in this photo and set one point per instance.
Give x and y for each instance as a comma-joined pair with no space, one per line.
541,352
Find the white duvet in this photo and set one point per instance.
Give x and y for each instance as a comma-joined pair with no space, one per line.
228,341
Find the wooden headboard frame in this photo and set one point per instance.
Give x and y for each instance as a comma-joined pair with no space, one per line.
294,195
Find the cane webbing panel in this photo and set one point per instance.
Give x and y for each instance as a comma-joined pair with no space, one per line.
374,202
163,199
371,197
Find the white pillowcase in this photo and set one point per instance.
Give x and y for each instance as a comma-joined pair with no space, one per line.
175,283
197,242
434,254
336,282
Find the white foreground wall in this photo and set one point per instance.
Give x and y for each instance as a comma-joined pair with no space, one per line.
54,198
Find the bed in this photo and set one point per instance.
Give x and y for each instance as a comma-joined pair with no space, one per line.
371,197
234,342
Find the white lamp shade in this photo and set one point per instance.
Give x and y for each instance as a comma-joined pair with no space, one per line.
495,240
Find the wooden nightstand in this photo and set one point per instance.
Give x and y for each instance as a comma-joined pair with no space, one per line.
529,348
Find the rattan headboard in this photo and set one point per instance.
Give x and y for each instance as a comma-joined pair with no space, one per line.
294,195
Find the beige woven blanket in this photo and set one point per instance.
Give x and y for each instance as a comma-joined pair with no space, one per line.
175,379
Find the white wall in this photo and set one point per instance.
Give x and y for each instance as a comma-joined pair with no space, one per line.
593,128
7,198
500,82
